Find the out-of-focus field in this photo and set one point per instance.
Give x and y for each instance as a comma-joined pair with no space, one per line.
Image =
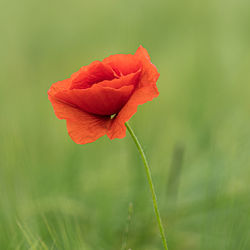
55,194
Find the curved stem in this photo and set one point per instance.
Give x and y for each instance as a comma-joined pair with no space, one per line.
151,185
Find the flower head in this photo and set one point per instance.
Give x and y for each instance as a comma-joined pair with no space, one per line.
99,98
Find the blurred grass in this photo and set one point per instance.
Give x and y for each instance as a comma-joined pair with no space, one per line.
55,194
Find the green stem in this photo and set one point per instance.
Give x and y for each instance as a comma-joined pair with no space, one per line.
151,185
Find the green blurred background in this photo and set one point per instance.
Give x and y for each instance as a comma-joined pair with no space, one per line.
55,194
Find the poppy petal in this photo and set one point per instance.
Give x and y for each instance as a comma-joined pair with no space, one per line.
93,73
123,64
97,100
59,86
145,91
130,79
149,74
82,126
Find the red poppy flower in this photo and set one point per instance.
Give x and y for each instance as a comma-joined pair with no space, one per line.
99,98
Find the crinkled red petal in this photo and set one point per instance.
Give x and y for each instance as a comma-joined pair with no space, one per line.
97,100
93,73
145,91
123,64
82,126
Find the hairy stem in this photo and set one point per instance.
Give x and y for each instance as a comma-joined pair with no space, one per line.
151,185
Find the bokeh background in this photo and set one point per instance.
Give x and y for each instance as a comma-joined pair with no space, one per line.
55,194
